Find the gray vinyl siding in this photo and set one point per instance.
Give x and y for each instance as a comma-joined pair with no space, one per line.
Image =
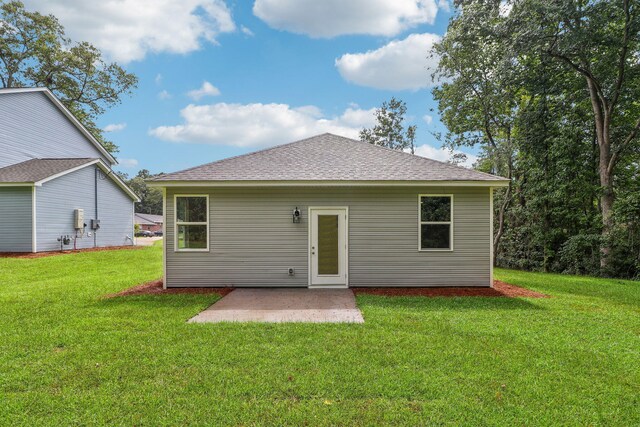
32,127
253,240
56,201
15,219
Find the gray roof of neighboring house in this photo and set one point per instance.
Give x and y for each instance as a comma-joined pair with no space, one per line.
35,170
328,157
148,219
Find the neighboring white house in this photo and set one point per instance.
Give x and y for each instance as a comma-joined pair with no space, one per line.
57,188
328,211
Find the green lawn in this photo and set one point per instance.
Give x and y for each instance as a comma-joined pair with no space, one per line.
70,357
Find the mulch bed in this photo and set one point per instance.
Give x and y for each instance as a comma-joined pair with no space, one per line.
155,288
65,252
500,289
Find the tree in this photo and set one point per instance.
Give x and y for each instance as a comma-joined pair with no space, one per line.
35,52
390,131
150,198
479,98
598,41
548,90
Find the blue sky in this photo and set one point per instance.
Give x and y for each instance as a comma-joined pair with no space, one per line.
219,78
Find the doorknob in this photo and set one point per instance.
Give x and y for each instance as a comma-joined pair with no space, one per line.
313,250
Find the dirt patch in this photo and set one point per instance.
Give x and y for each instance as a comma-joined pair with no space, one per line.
155,288
28,255
500,289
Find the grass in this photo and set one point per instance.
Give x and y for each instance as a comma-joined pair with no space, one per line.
70,357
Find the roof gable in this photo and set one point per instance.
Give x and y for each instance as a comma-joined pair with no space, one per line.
38,171
68,115
328,157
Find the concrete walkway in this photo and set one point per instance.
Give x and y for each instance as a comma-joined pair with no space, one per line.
147,241
284,305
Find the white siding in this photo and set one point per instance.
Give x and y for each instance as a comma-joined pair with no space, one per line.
32,127
253,240
15,219
57,199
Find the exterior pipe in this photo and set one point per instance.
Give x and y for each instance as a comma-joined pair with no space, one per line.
95,238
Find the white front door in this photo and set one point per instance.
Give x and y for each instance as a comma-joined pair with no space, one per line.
328,247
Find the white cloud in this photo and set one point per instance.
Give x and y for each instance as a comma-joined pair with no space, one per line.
127,163
330,18
246,31
398,65
443,154
114,127
158,79
427,119
444,5
163,94
245,125
207,89
127,30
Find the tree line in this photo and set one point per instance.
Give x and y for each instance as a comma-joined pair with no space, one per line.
549,92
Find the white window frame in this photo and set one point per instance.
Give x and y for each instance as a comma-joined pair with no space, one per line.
176,223
420,222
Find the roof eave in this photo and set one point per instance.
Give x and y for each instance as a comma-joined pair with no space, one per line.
301,183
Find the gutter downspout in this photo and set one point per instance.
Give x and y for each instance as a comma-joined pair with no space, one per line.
95,237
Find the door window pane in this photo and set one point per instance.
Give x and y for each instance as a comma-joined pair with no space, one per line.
328,244
435,236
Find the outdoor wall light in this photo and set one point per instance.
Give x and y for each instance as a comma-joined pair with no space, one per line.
296,215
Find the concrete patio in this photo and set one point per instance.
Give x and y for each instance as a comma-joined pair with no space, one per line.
284,305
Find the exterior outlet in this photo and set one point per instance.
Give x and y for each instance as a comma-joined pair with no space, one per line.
292,272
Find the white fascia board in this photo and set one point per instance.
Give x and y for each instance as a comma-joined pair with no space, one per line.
486,184
67,113
114,176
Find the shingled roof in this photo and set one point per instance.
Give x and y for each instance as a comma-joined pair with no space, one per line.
38,171
35,170
328,157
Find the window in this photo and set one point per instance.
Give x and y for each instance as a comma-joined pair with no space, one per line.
436,223
192,222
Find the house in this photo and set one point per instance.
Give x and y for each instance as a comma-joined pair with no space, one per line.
328,211
148,221
57,188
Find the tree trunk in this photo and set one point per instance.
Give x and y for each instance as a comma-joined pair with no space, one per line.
602,121
500,231
501,213
606,204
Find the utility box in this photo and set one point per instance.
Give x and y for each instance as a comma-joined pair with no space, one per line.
78,219
95,224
